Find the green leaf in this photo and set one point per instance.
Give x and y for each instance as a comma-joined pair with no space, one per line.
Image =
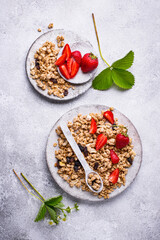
124,63
59,205
123,78
76,206
53,201
103,80
41,213
52,214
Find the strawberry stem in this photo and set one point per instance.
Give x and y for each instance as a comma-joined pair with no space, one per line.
32,186
98,40
25,186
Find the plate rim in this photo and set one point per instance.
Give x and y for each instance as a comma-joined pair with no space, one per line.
96,198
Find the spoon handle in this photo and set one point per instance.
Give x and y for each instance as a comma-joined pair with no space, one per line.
74,146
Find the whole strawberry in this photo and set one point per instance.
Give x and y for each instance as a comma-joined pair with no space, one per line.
89,62
121,141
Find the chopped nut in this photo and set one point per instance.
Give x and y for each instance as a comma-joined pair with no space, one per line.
55,144
39,30
50,25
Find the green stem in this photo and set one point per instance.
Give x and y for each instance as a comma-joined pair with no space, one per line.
25,186
98,40
32,186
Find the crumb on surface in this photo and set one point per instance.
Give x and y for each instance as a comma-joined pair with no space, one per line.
50,25
39,30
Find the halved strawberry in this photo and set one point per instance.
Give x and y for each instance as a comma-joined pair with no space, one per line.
114,176
67,51
61,60
101,141
93,127
64,71
69,65
77,56
75,68
121,141
114,157
109,116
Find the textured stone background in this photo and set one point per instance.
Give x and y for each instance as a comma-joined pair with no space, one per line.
26,118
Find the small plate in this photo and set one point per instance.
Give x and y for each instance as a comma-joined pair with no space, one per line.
69,37
80,78
51,160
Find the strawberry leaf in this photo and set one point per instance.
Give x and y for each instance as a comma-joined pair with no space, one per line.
41,213
123,78
52,214
53,201
103,81
124,63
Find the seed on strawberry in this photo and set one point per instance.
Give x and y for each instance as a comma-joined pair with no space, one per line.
121,141
109,116
89,62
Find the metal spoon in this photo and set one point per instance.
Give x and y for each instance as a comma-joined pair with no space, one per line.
80,156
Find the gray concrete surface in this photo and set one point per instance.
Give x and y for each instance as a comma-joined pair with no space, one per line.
26,118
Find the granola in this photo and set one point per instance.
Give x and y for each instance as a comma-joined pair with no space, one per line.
69,167
44,71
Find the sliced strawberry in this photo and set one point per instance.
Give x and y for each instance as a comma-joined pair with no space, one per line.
77,56
67,51
64,71
75,68
93,127
69,65
101,141
61,60
121,141
114,157
114,176
109,116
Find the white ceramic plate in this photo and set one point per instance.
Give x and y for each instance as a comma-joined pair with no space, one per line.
51,160
70,37
80,78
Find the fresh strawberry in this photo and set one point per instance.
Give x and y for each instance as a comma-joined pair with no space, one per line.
77,56
101,141
69,65
64,71
121,140
114,157
109,116
61,60
114,176
93,127
89,62
67,51
75,68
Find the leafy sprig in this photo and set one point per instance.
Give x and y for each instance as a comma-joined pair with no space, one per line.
53,206
116,73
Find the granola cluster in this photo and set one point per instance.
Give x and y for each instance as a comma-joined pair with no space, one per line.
44,71
69,167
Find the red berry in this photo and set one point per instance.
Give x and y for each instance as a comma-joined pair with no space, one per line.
93,127
77,56
121,141
67,51
114,176
114,157
89,62
109,116
101,141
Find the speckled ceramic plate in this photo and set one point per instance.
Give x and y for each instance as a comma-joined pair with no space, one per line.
71,38
80,78
51,160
